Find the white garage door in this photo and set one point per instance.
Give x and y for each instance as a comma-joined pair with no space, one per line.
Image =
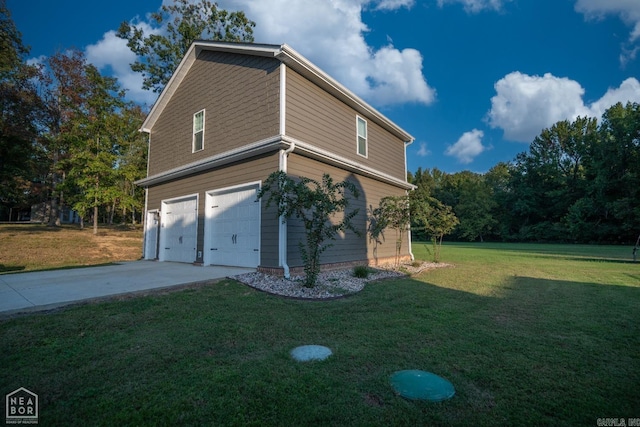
179,230
232,227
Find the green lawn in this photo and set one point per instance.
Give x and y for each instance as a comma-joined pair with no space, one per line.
527,334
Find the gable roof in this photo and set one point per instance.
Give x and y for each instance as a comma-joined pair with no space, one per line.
284,54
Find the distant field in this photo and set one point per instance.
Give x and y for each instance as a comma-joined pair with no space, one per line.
28,247
527,334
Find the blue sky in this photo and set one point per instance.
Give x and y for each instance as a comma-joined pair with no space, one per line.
474,81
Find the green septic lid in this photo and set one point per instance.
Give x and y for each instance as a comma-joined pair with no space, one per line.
421,385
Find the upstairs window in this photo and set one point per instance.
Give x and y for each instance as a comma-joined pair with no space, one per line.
198,131
362,136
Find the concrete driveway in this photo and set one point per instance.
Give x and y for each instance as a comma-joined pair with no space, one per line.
44,290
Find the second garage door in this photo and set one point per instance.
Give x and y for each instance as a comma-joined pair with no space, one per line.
232,227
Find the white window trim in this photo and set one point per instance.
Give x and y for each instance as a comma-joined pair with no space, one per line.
366,137
193,131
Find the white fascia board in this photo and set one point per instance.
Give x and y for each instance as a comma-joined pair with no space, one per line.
254,49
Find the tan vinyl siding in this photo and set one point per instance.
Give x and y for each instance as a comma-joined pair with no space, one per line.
316,117
350,247
240,96
256,169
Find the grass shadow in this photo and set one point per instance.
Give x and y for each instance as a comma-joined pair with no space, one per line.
11,268
20,270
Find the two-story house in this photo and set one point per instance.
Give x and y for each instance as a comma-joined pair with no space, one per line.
232,114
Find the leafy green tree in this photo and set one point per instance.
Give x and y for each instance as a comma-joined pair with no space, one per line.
316,204
93,153
376,226
65,88
425,181
160,52
21,112
436,219
474,204
613,207
466,192
91,138
393,212
498,179
131,147
548,179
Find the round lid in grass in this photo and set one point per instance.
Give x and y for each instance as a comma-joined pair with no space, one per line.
421,385
306,353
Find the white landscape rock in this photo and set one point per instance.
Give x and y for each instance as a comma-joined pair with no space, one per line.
330,284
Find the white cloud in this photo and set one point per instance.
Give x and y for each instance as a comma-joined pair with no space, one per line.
394,4
628,91
423,151
627,10
331,34
468,147
525,105
475,6
37,61
395,77
112,52
628,55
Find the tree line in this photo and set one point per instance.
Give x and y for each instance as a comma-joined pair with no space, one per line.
68,137
579,181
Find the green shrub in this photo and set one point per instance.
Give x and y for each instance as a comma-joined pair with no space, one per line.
361,271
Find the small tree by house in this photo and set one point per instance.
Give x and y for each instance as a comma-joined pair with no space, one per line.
393,212
375,229
315,204
435,218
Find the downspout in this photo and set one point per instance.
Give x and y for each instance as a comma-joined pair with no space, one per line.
145,227
413,258
146,198
407,143
282,230
284,154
